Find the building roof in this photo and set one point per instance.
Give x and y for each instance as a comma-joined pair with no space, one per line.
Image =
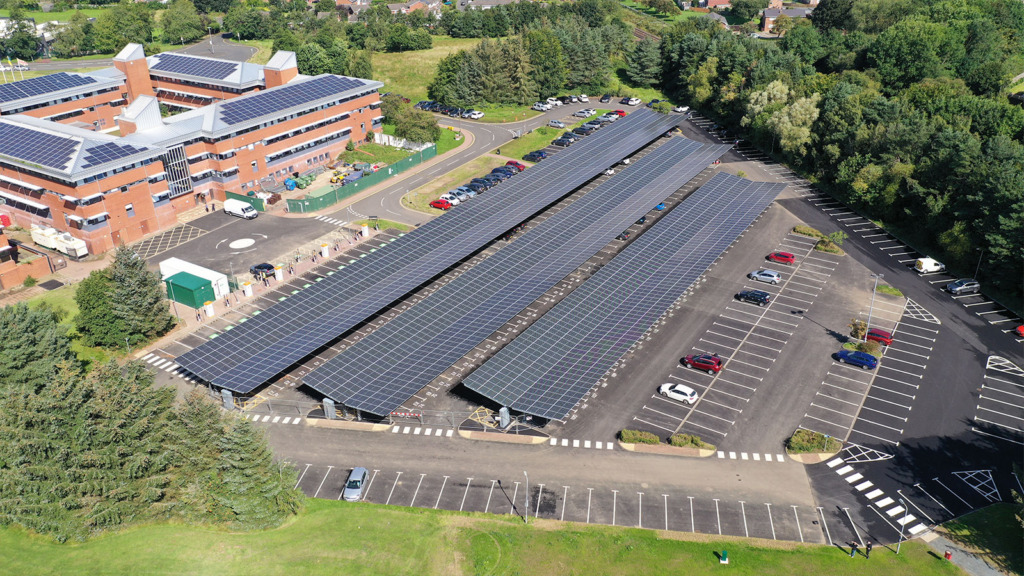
282,60
53,87
65,151
207,70
791,12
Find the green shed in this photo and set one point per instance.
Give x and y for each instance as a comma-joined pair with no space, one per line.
189,289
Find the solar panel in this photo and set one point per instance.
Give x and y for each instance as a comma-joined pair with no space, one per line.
190,66
276,100
42,85
108,152
381,371
37,147
556,361
252,353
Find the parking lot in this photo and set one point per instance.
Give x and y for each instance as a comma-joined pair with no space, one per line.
1000,409
660,507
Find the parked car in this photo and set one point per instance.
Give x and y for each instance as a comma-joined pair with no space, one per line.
856,358
453,199
583,131
354,485
570,136
585,113
619,113
609,117
554,102
759,297
782,257
963,286
462,197
516,164
584,98
624,235
928,265
634,102
535,156
652,103
501,176
625,100
879,335
476,115
480,182
709,363
441,204
680,108
769,276
541,106
606,99
641,221
467,191
660,207
678,392
476,187
563,142
1020,330
556,124
261,270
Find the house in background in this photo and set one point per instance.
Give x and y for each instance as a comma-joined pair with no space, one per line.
769,15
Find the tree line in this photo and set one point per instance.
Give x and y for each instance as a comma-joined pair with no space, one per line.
86,449
898,108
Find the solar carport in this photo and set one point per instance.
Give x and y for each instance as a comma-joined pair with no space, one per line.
385,368
254,352
548,369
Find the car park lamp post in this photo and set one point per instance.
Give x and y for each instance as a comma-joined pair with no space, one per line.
526,516
978,267
903,524
871,308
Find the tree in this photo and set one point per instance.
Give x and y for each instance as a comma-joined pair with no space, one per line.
122,24
138,297
19,38
247,23
32,346
521,87
745,10
664,6
208,6
255,491
337,55
360,65
97,322
181,23
417,126
200,425
548,61
73,38
312,59
910,51
832,14
286,40
804,40
643,64
782,25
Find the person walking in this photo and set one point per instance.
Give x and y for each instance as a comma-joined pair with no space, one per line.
867,549
199,317
853,549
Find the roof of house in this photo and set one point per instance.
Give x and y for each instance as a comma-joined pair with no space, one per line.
791,12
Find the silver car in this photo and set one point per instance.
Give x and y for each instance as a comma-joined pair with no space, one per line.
354,485
769,276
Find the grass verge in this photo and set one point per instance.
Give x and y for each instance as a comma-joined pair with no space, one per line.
420,198
409,73
383,224
890,290
358,539
993,533
63,298
499,114
448,141
264,50
539,138
375,154
64,16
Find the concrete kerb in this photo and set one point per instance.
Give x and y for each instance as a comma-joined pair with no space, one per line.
812,457
666,450
504,438
347,425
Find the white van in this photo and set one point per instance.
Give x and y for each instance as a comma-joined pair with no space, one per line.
240,209
928,265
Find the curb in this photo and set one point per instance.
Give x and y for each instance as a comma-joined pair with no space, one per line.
346,425
812,457
504,438
666,450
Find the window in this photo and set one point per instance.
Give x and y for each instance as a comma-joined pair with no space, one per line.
255,166
129,209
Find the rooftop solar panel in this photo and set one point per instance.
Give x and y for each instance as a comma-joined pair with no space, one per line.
252,353
276,100
556,361
108,152
42,85
190,66
381,371
37,147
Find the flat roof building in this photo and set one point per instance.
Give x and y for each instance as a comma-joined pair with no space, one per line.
239,123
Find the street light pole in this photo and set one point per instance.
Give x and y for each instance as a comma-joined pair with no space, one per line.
526,517
127,345
871,308
978,267
903,524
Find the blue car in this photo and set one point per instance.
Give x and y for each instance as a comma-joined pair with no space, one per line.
660,207
854,358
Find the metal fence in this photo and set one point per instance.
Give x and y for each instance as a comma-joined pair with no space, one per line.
256,203
338,193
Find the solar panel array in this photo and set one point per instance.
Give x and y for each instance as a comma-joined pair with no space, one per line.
201,67
37,147
42,85
275,100
252,353
556,361
382,370
108,152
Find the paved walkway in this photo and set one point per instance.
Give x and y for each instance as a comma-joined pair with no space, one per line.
970,562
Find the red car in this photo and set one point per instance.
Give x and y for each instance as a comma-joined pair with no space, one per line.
879,335
1020,330
782,257
709,363
619,112
516,164
441,204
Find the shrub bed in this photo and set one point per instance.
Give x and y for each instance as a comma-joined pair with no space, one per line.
689,441
639,437
804,441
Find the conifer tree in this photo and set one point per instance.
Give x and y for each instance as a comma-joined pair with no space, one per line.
138,297
32,345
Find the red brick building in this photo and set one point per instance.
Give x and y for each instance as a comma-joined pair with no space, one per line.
241,123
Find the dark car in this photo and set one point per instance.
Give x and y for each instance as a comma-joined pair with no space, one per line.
652,103
476,187
641,221
532,157
625,100
502,176
879,335
606,98
963,286
709,363
856,358
570,136
759,297
261,270
563,142
510,170
624,236
565,99
583,131
481,182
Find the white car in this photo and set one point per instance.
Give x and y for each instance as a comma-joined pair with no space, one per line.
476,115
634,101
21,67
585,113
769,276
451,198
554,102
556,124
609,172
542,106
678,392
583,98
681,109
609,118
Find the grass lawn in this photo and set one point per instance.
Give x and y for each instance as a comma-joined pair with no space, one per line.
420,198
660,16
994,534
535,140
448,141
331,537
64,16
64,299
498,114
409,73
384,224
375,154
264,50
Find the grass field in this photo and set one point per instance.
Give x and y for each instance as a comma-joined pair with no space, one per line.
498,114
420,198
331,537
992,533
448,142
535,140
64,16
375,154
661,16
264,50
408,73
384,224
64,298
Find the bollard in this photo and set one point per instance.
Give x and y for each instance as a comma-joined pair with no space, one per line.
724,558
